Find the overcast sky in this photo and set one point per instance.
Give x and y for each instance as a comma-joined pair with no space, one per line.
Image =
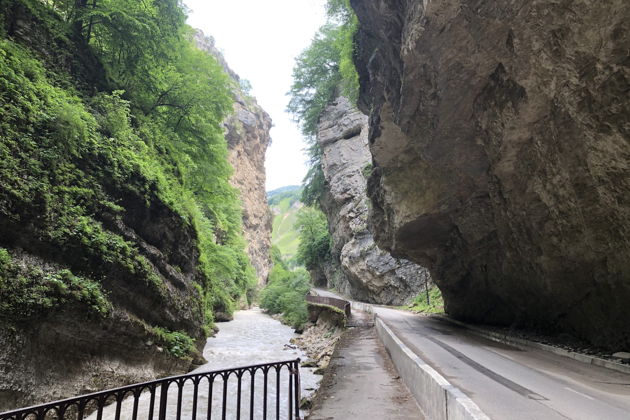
260,40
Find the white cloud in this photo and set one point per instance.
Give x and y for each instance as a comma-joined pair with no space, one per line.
260,40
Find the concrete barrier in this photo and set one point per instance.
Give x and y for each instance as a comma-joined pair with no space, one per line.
438,399
361,306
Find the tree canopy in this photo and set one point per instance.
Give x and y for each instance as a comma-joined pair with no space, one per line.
314,237
322,72
153,127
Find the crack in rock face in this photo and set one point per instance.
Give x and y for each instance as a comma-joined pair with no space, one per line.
500,138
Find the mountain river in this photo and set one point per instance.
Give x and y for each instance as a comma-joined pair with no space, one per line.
251,338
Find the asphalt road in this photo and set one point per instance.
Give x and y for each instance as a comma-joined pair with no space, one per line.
510,383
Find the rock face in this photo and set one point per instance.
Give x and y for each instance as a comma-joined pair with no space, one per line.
367,272
247,133
72,350
500,135
66,355
248,138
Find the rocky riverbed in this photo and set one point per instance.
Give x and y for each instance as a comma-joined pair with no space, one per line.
318,341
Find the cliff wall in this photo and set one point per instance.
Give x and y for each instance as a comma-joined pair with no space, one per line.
248,138
247,133
500,136
367,272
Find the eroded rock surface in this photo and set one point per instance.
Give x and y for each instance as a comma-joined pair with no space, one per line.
247,133
248,138
500,135
368,273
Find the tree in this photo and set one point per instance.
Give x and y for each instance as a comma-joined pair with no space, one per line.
314,247
322,72
315,79
155,130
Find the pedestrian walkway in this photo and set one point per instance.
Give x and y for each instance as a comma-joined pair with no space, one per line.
361,382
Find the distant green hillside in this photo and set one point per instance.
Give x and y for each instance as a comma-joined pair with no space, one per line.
285,203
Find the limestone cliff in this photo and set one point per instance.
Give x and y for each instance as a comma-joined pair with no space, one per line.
247,133
92,259
500,135
248,138
367,272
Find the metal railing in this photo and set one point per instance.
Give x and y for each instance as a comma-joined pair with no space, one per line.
158,403
344,305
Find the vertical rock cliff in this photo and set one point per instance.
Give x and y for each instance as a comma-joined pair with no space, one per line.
247,133
248,138
500,133
367,272
96,268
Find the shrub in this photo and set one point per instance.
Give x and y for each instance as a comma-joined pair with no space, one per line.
27,291
285,294
314,247
176,343
435,305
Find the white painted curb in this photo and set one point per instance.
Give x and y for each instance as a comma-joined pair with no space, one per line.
437,398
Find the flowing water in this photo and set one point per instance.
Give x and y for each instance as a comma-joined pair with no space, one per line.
251,338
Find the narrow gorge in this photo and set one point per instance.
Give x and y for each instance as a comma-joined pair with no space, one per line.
440,228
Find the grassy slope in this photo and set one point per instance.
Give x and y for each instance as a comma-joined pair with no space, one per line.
285,204
436,302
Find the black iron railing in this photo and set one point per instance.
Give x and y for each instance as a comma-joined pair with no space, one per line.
192,396
344,305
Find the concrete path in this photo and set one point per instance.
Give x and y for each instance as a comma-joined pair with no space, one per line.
361,381
511,383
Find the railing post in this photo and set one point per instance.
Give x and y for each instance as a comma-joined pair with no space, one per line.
291,367
297,388
163,398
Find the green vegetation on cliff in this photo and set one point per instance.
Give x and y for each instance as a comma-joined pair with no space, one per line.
29,291
113,164
325,69
176,343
